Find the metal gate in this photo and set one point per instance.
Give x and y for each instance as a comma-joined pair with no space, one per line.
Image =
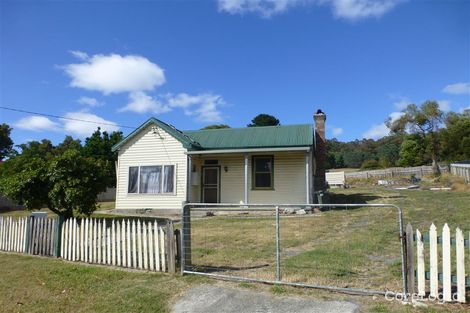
297,245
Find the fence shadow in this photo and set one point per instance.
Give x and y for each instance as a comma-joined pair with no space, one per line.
214,269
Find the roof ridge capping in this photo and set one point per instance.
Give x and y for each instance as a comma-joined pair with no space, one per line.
246,127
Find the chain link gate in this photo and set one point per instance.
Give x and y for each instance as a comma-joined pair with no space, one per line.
263,243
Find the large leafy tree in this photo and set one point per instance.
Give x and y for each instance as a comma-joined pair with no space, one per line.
411,152
6,144
67,183
99,146
424,121
455,138
264,120
216,126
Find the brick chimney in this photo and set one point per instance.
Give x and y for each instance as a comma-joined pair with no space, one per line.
320,151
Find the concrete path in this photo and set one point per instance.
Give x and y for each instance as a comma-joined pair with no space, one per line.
216,299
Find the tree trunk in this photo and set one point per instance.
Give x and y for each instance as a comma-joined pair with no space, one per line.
435,167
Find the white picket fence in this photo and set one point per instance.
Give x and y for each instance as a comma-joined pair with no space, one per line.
125,243
28,235
13,234
462,170
444,263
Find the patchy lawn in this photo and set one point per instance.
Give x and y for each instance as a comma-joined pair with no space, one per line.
34,284
355,247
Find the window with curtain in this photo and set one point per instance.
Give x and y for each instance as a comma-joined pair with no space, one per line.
133,179
263,172
155,179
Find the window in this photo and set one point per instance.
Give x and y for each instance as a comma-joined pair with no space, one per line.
263,172
154,179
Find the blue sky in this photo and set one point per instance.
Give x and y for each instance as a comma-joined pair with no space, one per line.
195,63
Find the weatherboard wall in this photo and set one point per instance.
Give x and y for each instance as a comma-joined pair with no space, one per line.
149,148
289,178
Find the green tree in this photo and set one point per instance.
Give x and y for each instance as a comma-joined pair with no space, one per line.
411,153
424,121
68,144
67,184
75,182
388,154
455,138
99,146
216,126
6,144
264,120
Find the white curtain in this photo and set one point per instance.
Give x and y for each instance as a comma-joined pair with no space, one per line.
150,179
168,178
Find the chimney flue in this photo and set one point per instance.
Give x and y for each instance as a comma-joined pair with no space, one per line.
320,150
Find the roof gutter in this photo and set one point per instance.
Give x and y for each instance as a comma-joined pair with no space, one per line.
306,148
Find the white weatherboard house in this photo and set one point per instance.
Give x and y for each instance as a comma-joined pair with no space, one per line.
160,167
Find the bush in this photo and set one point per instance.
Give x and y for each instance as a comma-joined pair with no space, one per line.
370,165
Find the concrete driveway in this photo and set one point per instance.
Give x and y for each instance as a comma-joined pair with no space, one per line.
216,299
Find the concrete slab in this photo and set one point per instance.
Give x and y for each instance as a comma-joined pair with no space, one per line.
216,299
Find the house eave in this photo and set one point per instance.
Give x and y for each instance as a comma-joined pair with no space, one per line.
248,150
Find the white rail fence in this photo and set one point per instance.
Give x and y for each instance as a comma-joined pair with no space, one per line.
137,244
441,255
418,171
462,170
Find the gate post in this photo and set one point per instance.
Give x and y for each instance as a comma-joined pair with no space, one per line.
185,238
58,236
278,246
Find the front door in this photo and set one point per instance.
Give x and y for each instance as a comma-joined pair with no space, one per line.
210,184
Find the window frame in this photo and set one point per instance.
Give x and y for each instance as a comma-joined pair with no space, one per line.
161,180
254,172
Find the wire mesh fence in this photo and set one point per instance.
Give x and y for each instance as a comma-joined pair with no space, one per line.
349,247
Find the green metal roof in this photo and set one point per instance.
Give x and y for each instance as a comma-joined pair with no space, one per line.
234,138
254,137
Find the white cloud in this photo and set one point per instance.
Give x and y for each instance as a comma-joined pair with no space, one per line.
79,54
357,9
82,129
37,123
90,101
457,88
377,131
265,8
204,107
401,103
461,110
115,73
346,9
336,131
444,105
381,130
140,102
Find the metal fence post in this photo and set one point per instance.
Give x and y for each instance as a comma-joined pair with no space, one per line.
186,238
278,246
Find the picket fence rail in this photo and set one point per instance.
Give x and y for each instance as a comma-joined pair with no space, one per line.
430,257
144,245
